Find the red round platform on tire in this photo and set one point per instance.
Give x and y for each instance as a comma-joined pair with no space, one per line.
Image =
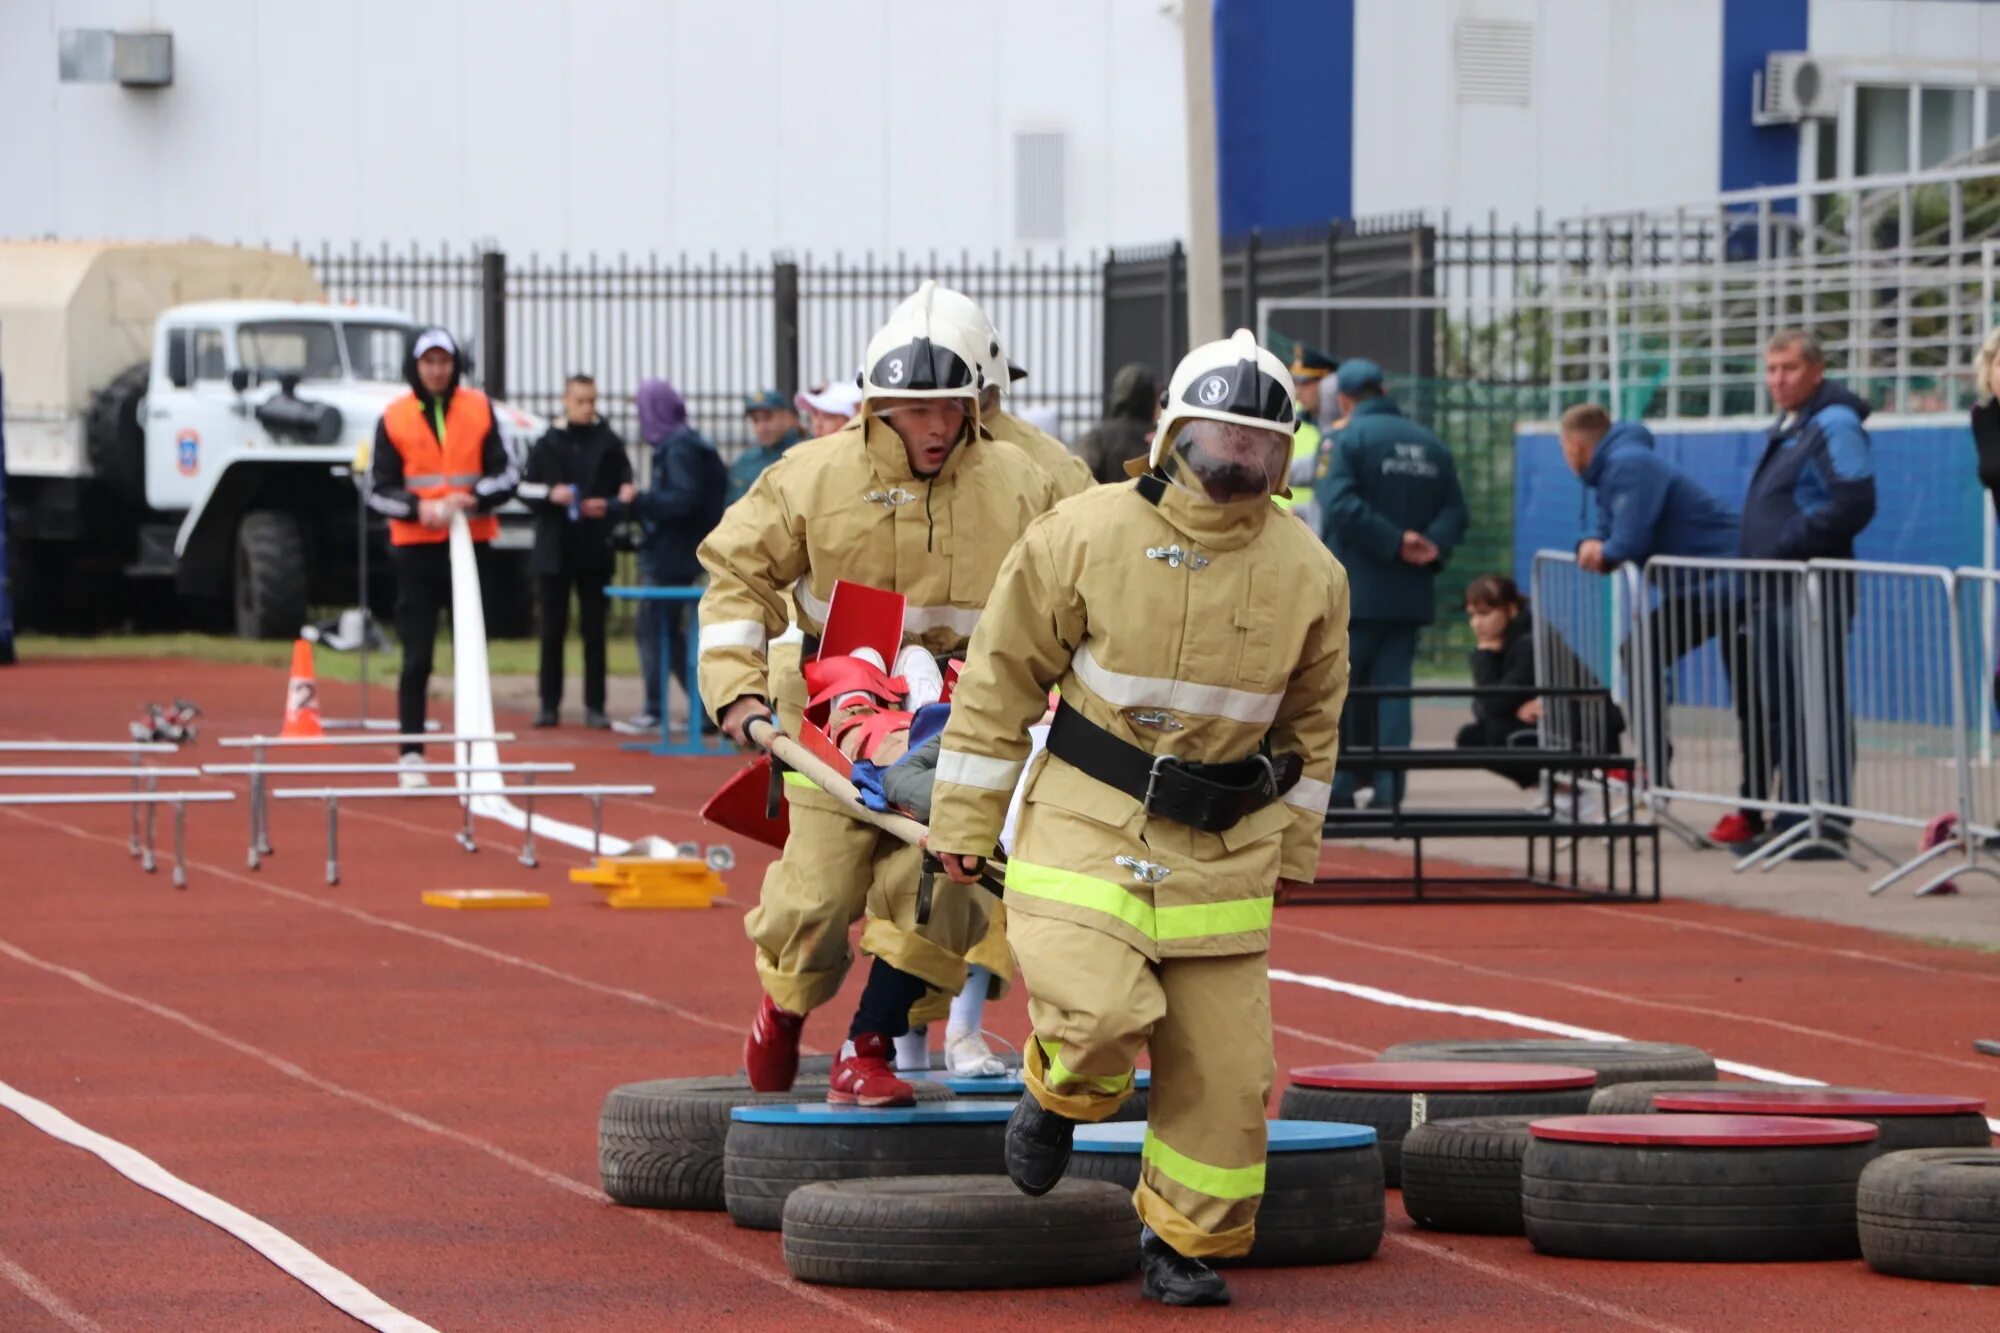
1443,1076
1817,1101
1703,1131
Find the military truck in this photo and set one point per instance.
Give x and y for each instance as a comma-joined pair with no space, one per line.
197,419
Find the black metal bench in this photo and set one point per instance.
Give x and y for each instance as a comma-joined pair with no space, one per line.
1556,862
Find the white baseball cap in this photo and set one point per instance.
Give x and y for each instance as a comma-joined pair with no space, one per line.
434,340
841,398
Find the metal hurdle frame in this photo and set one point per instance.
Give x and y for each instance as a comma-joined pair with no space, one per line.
180,800
138,750
465,839
260,824
333,796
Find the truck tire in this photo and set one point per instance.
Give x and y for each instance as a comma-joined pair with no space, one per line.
1933,1213
115,438
270,582
1614,1061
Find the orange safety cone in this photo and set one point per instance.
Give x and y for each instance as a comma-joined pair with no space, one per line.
302,695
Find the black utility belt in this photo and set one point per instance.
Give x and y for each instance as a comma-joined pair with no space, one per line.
1210,797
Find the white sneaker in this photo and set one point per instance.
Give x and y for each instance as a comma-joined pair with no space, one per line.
967,1055
411,777
920,674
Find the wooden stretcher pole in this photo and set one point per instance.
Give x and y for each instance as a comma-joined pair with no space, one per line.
765,735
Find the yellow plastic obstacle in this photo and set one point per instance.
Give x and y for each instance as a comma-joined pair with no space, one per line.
484,898
651,882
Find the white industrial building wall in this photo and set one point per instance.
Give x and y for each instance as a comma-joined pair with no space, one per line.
600,125
1623,108
1927,30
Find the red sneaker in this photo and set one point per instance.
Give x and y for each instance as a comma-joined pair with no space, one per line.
1734,829
863,1075
771,1055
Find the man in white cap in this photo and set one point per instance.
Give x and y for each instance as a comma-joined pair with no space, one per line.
829,407
438,452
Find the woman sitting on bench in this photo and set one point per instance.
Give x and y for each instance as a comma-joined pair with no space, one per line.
1504,631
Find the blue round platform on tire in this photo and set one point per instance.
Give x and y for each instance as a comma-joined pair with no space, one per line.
983,1112
1280,1136
1668,1130
1008,1084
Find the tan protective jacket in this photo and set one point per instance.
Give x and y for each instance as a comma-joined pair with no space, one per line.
1186,628
1069,473
847,506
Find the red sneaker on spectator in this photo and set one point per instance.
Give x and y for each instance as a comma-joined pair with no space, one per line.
1736,828
771,1055
864,1076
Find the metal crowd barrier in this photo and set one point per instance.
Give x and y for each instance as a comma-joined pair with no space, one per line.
333,796
260,823
667,599
140,846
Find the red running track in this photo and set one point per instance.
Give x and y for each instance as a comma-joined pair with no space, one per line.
412,1094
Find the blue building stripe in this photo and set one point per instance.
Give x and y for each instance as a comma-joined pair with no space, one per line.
1751,30
1284,112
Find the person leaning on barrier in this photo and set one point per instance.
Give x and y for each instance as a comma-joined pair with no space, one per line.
437,453
1392,513
910,498
1811,495
1644,506
1198,640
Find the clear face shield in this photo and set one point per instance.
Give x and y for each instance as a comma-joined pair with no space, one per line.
1225,463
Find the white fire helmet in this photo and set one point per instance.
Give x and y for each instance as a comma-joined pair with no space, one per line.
925,350
1233,381
949,303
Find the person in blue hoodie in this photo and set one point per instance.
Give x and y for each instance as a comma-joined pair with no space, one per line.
682,502
1812,494
1644,506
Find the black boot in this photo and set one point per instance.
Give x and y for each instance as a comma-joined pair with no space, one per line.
1171,1278
1037,1146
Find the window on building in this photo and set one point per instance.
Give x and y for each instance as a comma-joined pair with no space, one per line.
1944,124
1881,130
1041,205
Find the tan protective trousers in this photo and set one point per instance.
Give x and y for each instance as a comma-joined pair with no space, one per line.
990,953
834,870
1095,1002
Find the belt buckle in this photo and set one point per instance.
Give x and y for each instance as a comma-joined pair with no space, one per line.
1153,777
1270,772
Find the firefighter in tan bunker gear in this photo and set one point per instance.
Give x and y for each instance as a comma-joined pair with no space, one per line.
1199,641
989,966
907,498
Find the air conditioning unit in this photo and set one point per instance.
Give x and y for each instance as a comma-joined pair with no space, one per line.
1794,86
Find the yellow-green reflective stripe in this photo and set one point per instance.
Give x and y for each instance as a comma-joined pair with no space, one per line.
1060,1074
799,780
1067,886
1181,922
1217,1182
437,418
1188,920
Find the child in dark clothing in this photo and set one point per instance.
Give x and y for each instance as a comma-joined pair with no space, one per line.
1504,630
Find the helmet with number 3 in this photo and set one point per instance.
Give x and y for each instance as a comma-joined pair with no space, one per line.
924,351
1233,381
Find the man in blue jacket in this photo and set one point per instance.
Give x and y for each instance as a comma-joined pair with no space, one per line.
1391,512
1810,497
1645,506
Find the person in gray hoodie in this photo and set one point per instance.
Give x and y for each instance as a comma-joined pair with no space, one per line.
682,502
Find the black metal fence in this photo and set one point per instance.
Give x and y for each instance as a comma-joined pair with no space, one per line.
1452,314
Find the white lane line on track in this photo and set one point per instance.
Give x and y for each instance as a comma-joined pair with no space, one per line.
405,928
685,1234
336,1288
1302,1035
1858,955
1639,1001
1590,1303
1526,1022
59,1309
